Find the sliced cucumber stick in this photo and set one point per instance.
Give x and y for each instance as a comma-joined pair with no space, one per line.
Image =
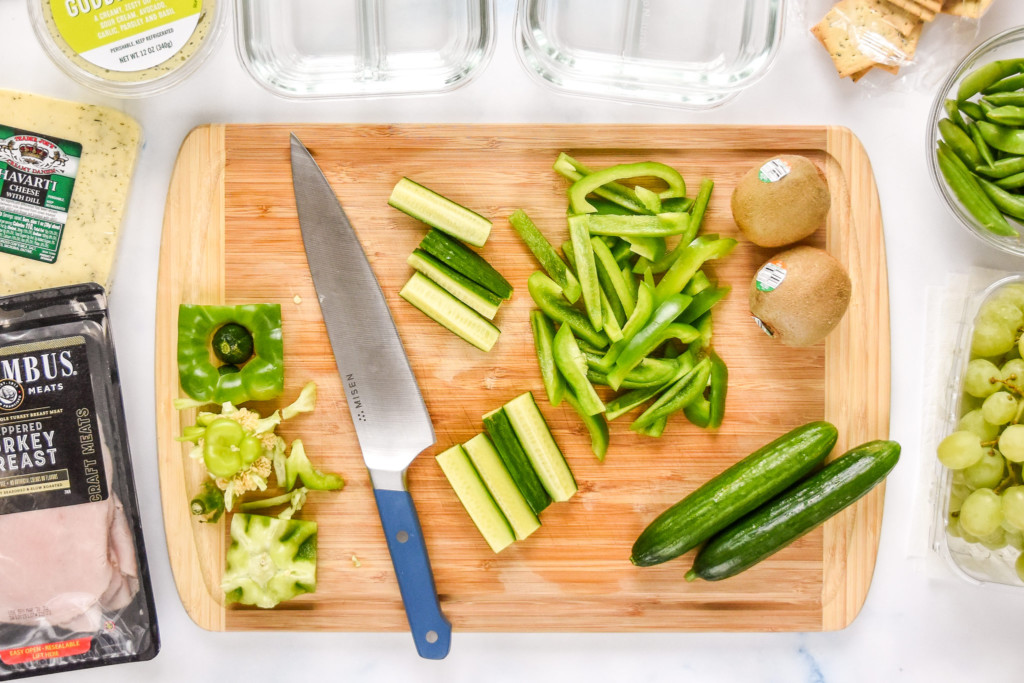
462,259
540,447
474,496
458,285
440,212
503,489
444,308
516,461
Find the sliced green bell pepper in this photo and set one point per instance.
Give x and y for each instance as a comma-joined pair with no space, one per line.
677,396
596,426
699,251
543,342
661,225
297,466
719,384
590,183
548,297
586,269
697,211
612,192
545,255
654,333
573,366
259,379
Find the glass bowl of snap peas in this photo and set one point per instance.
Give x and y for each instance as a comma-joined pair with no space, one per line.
976,141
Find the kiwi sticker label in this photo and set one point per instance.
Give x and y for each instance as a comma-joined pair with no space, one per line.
770,276
773,171
764,328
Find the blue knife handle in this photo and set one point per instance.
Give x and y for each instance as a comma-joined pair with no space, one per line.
430,630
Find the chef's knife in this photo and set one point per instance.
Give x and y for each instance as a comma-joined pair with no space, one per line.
390,418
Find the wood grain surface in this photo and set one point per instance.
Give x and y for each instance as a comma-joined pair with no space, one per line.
231,235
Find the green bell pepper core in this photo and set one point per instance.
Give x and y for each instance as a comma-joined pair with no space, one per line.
548,297
543,342
591,183
228,449
208,504
270,560
702,249
658,329
586,269
260,379
677,396
573,366
596,426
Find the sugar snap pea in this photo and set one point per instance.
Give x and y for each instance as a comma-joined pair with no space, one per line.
1007,115
1011,182
986,76
1002,168
1008,84
973,109
1007,202
1003,138
961,143
1005,98
968,190
953,112
983,149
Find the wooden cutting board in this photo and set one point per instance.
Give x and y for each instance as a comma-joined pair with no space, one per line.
231,235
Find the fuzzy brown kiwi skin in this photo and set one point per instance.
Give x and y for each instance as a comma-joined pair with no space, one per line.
810,301
785,211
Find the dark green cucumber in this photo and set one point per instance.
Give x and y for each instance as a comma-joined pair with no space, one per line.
516,461
755,480
462,259
778,523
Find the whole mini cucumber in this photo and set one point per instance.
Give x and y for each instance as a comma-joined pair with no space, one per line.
756,479
778,523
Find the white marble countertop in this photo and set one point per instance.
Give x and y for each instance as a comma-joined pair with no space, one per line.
915,625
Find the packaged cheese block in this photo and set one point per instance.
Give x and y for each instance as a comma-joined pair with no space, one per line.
65,170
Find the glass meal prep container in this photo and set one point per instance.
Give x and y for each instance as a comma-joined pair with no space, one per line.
687,54
309,49
991,322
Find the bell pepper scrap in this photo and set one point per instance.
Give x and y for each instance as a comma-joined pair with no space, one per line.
270,560
259,379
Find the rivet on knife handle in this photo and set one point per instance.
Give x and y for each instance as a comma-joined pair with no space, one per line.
430,630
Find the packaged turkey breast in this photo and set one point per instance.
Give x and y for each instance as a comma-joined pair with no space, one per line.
74,584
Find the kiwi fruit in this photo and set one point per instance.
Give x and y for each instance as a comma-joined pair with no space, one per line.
800,295
781,201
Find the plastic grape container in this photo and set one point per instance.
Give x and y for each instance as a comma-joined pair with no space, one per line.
979,510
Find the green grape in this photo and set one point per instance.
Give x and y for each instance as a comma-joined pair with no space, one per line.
1018,566
1014,539
1013,506
987,472
1003,312
1012,293
1013,371
992,338
953,526
969,403
1011,443
974,422
956,499
982,513
978,380
960,449
999,408
995,540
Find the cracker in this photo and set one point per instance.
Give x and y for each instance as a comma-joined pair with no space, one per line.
934,6
902,20
919,11
971,9
833,33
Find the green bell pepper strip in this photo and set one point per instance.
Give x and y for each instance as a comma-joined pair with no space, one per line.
1003,138
967,189
586,269
652,372
1007,115
699,412
260,379
703,325
1003,168
572,170
649,198
631,282
607,266
677,396
543,342
653,334
610,319
697,284
1011,182
1007,202
548,297
661,225
1006,85
622,252
984,150
700,206
655,429
961,143
591,183
639,318
651,248
953,112
625,402
609,299
719,382
702,303
298,466
694,256
573,366
596,426
642,266
545,255
987,76
570,255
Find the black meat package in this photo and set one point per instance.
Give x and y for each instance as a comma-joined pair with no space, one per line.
74,584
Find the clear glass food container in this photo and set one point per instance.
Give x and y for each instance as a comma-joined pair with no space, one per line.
1006,45
359,48
978,561
687,54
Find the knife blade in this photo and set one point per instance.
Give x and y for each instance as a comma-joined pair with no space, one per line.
390,418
